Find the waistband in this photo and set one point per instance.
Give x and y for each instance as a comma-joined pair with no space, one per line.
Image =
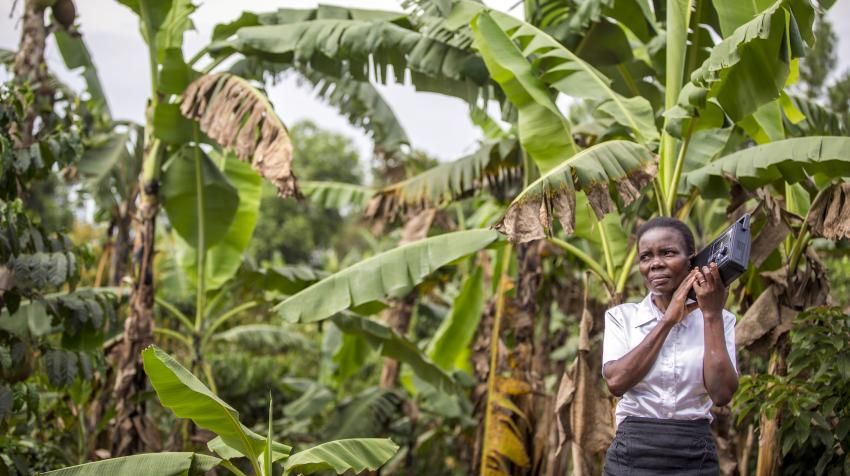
701,425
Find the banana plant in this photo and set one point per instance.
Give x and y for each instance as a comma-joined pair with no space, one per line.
187,397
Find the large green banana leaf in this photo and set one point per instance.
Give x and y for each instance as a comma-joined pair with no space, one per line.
750,67
187,397
543,131
360,42
355,455
449,348
387,274
226,256
153,464
495,164
180,197
396,347
563,70
789,160
75,54
625,165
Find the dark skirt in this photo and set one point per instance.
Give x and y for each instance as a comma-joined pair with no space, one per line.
650,446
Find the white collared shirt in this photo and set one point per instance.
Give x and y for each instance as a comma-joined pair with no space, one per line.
673,388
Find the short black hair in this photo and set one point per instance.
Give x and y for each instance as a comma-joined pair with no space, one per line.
674,224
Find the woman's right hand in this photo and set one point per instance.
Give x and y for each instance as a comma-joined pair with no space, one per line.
678,307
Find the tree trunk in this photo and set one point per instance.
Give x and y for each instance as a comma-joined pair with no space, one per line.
121,243
132,431
768,462
29,66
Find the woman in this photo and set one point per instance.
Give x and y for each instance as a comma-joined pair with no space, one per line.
670,359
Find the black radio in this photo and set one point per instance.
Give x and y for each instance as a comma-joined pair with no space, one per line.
731,252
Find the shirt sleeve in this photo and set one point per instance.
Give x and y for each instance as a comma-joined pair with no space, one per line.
614,343
729,332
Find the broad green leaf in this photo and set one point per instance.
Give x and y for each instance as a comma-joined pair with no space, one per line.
219,447
185,395
386,274
563,70
789,160
453,337
749,68
733,13
170,126
75,54
180,197
356,455
625,166
226,256
154,464
175,74
396,347
337,195
496,164
362,43
543,131
765,125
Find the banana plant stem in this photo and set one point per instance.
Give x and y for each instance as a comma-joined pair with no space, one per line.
227,315
494,355
201,248
673,187
175,312
606,248
174,335
626,269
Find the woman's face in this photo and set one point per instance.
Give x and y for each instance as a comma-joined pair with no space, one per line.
663,260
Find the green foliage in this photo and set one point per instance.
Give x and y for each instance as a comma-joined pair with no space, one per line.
164,464
187,397
814,395
791,160
355,455
341,41
387,274
180,189
396,347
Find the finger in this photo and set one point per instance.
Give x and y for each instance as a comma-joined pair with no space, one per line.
715,274
701,277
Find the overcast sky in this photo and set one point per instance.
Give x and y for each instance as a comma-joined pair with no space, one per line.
437,124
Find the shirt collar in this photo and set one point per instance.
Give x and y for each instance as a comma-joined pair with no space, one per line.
649,312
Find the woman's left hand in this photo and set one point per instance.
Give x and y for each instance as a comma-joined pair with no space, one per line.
710,290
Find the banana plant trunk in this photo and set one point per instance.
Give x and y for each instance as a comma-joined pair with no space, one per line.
121,244
768,462
132,430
